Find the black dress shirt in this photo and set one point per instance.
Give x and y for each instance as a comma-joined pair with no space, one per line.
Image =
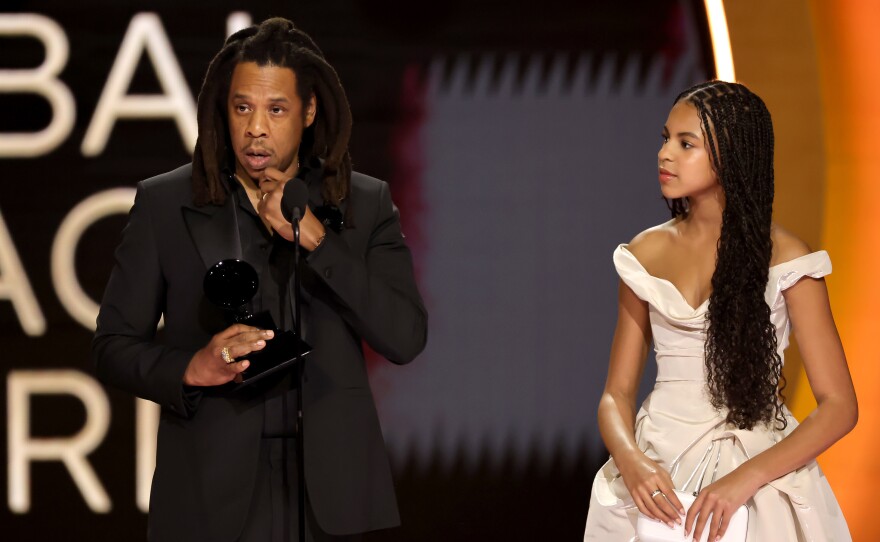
272,257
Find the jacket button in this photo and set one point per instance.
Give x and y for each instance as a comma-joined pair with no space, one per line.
328,273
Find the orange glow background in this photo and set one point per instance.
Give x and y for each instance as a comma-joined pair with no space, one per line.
849,49
817,65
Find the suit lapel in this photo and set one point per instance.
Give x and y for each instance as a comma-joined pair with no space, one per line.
212,229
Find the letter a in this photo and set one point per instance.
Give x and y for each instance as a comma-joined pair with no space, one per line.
144,32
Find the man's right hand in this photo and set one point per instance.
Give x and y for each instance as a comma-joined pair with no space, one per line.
207,367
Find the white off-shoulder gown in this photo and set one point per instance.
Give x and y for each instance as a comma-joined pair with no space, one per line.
799,506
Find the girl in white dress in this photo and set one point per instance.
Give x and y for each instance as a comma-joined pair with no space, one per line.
717,289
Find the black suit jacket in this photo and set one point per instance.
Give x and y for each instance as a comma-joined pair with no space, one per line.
359,285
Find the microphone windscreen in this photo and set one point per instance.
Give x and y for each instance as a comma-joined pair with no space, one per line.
295,199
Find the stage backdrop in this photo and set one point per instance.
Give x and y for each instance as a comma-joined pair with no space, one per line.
520,143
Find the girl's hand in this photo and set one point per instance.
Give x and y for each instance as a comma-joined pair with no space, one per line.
643,477
716,504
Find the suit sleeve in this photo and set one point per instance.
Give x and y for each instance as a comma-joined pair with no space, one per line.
377,293
125,351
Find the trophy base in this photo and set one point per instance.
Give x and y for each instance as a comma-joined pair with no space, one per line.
280,352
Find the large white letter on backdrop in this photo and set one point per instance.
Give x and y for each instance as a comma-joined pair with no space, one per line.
42,80
144,32
90,210
71,451
147,426
15,287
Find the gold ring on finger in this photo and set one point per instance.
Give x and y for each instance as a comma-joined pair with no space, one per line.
227,357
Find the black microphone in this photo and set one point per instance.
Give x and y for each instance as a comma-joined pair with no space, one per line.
293,206
295,199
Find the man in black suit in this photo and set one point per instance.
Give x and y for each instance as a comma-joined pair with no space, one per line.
271,112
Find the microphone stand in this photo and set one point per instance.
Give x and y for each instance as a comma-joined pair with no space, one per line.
300,434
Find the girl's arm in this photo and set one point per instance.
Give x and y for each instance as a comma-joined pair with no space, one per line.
835,415
617,411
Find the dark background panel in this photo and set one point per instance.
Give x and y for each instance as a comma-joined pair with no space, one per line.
384,51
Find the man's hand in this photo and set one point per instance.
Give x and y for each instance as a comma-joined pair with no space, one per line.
311,231
207,367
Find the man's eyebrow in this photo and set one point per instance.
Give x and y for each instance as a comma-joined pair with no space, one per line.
277,99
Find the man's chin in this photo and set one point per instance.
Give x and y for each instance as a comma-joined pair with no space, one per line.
253,174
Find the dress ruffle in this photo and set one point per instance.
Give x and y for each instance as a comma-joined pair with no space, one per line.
665,297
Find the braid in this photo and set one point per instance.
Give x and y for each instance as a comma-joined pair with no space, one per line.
275,42
744,369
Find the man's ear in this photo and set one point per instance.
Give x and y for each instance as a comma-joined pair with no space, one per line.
311,111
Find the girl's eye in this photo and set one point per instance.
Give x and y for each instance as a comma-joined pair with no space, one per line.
686,145
665,138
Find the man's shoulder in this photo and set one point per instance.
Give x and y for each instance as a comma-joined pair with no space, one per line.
170,180
366,184
174,184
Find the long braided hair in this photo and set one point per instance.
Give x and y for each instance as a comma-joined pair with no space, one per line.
274,42
744,369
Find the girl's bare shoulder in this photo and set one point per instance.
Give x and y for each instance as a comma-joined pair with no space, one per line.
651,243
786,245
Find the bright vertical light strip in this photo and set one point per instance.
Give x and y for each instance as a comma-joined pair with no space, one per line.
720,40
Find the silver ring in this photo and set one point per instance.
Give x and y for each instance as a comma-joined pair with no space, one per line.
227,357
656,492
